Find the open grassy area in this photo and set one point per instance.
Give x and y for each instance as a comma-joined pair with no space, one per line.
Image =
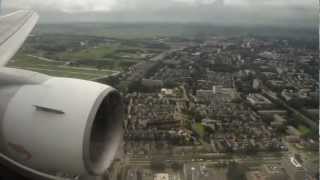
65,73
89,54
22,60
103,56
107,57
199,129
56,68
303,130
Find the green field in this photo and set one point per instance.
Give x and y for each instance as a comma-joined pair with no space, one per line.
22,60
303,130
199,129
90,53
105,53
56,68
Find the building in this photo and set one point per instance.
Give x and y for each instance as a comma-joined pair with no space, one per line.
293,131
274,172
167,92
255,175
204,95
293,168
191,171
161,176
269,55
259,101
276,83
288,94
229,93
133,174
268,172
256,84
278,121
270,113
152,83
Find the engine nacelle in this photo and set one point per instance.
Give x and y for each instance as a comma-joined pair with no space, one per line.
56,125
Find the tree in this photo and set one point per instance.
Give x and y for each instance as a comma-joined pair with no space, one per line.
236,171
157,165
176,166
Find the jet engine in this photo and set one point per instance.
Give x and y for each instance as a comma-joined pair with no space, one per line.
53,125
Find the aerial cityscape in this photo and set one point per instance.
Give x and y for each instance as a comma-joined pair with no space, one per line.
199,107
159,90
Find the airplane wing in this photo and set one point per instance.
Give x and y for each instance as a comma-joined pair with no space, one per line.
46,115
14,29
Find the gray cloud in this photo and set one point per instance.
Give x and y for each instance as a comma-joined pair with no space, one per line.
116,5
251,12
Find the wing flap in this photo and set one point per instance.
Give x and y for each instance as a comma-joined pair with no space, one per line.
14,29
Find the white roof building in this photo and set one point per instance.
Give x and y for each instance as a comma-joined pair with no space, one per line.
161,176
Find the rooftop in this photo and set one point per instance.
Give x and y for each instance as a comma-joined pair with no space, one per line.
295,162
161,176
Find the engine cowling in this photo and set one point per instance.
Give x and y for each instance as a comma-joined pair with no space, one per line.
60,125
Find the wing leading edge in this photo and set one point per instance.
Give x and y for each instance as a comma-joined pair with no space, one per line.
14,29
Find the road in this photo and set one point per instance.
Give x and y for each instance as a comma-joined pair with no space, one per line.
211,159
71,67
312,124
43,58
52,70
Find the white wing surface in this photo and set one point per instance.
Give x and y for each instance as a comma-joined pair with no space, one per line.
14,29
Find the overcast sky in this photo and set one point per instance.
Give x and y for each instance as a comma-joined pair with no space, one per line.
119,5
252,12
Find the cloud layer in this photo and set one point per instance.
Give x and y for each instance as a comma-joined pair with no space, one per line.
120,5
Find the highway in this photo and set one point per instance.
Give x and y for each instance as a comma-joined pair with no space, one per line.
142,160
